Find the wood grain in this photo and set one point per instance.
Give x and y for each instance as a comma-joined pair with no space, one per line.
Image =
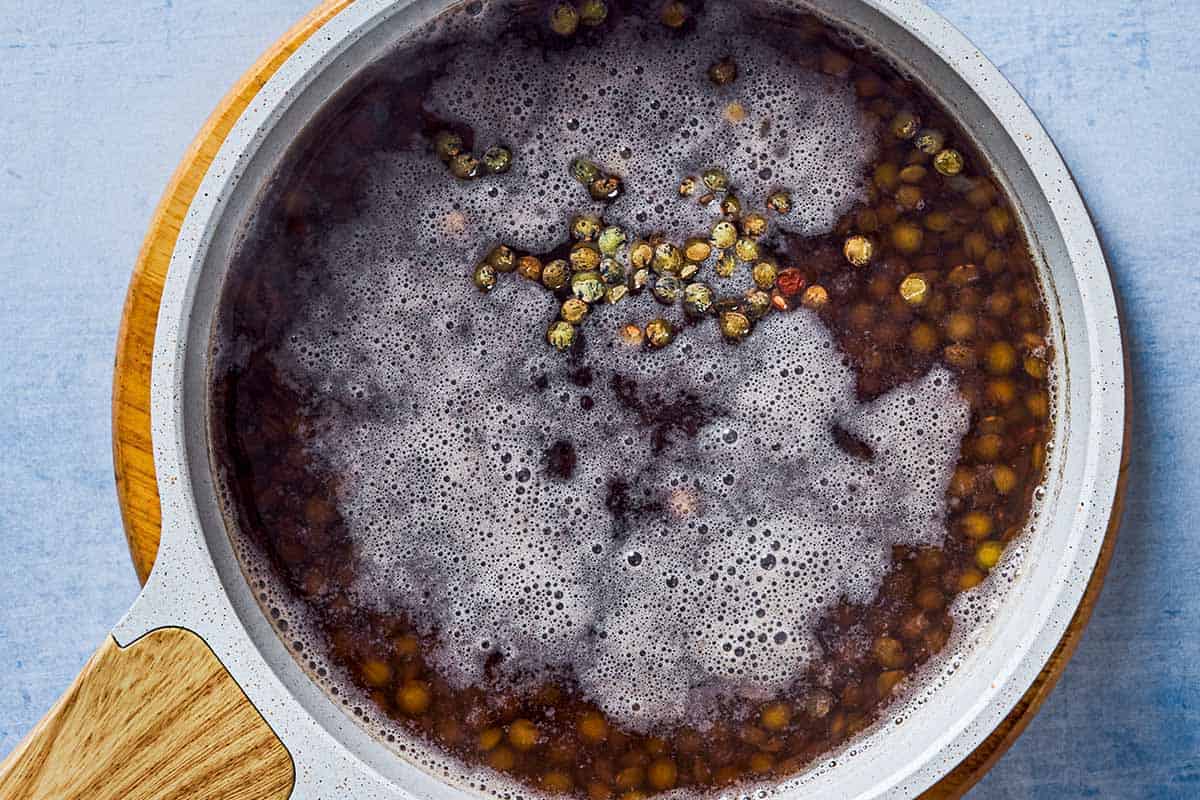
133,454
133,458
161,718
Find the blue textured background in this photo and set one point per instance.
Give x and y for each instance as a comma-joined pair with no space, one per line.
101,98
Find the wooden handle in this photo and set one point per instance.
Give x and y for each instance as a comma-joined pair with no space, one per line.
161,718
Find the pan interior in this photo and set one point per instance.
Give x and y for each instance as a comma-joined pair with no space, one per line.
929,719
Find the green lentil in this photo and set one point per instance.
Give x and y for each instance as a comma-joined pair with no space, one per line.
723,72
674,14
905,125
605,188
734,325
561,335
930,141
564,19
485,277
554,274
780,202
447,145
949,162
697,299
529,267
584,256
593,12
587,286
498,160
726,265
764,274
696,250
464,166
757,304
584,171
585,227
815,297
659,333
667,258
715,179
746,250
667,289
502,258
573,310
724,235
611,240
858,250
641,255
754,225
612,270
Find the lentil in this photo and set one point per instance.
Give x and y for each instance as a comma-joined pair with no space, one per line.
564,19
485,277
554,274
498,160
858,250
660,333
561,335
723,72
593,12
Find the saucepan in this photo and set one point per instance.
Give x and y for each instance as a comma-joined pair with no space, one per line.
195,694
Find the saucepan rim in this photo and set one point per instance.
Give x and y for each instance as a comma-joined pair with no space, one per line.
198,583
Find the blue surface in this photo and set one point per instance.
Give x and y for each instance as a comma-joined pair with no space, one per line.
102,98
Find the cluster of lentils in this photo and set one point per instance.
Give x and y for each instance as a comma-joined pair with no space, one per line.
604,264
463,164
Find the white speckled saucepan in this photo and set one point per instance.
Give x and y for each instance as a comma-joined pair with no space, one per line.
197,582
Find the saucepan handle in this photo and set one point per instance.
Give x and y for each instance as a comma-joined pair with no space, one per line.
160,718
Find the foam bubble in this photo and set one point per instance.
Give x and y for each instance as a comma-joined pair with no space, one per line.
709,517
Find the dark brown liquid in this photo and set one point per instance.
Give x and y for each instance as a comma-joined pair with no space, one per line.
982,317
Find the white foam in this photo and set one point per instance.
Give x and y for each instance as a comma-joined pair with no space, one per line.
646,113
457,520
760,522
756,525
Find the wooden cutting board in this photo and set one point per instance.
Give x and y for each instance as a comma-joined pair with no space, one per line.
133,457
